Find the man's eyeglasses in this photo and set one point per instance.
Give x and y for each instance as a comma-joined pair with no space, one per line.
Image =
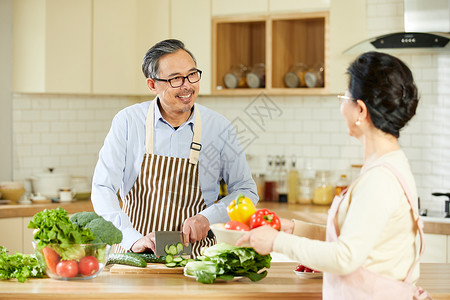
179,80
342,98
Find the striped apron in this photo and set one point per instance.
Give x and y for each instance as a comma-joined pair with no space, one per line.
167,190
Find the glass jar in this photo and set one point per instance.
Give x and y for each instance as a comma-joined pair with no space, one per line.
323,188
341,184
306,191
296,76
256,77
314,76
236,77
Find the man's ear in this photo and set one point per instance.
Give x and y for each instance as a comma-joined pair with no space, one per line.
151,84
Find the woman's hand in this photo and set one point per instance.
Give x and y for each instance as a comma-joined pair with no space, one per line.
261,239
287,225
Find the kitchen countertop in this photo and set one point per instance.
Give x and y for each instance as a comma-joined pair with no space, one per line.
281,282
309,213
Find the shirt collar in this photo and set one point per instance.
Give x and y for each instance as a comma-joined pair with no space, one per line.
159,117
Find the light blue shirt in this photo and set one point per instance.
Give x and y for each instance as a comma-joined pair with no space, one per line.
121,156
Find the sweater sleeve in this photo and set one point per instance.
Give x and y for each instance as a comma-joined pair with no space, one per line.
361,225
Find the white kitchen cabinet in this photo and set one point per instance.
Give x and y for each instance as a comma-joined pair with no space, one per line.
448,249
195,33
238,7
11,234
52,46
123,31
347,27
298,5
27,236
436,250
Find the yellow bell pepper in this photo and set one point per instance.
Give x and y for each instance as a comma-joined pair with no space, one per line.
241,209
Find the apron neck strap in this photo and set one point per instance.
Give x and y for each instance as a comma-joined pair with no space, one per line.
196,146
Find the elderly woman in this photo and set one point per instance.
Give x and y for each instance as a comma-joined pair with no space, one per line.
369,248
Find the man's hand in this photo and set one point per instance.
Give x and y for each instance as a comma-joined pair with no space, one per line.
144,243
195,229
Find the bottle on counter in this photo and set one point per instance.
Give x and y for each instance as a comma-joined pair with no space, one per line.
293,182
323,189
270,183
306,189
282,180
259,179
341,184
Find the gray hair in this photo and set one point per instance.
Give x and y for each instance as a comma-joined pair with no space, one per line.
150,65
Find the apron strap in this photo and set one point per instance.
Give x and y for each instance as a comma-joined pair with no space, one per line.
415,210
196,146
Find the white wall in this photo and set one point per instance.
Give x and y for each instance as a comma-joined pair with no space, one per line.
5,90
67,132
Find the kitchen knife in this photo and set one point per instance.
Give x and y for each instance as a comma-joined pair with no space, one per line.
163,238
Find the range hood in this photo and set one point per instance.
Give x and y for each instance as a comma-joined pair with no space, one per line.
427,30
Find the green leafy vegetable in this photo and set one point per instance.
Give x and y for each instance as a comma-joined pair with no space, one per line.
225,261
18,265
55,227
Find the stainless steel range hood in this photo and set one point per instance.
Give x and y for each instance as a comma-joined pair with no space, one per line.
427,30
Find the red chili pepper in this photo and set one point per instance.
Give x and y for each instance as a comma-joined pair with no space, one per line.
265,217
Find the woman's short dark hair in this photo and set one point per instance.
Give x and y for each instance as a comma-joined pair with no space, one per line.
387,87
150,65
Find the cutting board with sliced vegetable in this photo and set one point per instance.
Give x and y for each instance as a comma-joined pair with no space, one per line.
152,268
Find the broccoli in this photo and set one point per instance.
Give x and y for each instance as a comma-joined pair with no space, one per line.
104,231
84,217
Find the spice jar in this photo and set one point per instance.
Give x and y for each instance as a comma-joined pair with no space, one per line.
314,76
296,76
236,77
323,189
256,77
341,184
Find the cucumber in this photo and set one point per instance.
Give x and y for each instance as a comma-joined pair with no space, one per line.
172,250
152,258
178,259
171,264
169,258
130,259
180,247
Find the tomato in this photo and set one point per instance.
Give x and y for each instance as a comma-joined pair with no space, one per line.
88,265
51,258
235,225
265,217
67,268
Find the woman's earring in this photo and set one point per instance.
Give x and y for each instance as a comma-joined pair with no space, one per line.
358,122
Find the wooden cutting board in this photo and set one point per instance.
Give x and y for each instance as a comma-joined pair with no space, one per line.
151,268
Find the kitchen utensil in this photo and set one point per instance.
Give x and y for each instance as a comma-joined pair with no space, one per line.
167,238
48,183
152,268
89,265
66,194
12,190
227,236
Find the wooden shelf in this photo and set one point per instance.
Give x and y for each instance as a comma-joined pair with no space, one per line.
278,41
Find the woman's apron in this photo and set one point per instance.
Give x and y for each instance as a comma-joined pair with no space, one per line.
167,190
365,284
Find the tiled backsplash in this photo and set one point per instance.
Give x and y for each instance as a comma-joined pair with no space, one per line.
67,131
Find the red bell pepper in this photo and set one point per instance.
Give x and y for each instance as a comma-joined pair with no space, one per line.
265,217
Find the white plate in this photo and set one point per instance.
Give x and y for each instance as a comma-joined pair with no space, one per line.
218,279
5,201
309,275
